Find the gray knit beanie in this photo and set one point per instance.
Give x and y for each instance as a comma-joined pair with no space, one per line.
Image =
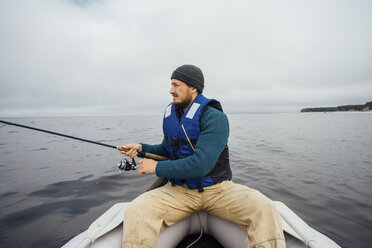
190,75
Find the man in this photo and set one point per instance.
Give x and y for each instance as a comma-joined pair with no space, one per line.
198,173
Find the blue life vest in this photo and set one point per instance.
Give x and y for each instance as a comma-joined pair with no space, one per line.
178,146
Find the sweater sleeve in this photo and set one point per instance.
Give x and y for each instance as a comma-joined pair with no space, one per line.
214,133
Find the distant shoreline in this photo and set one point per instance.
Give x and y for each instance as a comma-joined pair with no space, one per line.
339,112
344,108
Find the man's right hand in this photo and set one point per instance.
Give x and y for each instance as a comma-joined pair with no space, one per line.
130,150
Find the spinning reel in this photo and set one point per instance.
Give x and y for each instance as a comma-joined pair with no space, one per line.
126,165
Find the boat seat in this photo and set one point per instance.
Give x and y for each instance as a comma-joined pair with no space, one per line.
226,233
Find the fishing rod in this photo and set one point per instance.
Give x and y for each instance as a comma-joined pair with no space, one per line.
123,165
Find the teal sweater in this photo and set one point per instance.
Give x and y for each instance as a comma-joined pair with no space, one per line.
214,133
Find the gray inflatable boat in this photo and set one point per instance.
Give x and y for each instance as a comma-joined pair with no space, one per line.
107,231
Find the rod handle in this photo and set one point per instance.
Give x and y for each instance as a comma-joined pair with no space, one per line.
152,156
145,154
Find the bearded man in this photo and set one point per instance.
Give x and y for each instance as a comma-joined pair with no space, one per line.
198,173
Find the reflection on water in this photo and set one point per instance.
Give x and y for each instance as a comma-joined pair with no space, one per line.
52,188
60,203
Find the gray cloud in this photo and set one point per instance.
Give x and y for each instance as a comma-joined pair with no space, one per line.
115,57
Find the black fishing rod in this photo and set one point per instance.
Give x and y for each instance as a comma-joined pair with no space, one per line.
59,134
123,165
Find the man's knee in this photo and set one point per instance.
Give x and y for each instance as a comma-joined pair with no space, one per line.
265,205
130,211
138,206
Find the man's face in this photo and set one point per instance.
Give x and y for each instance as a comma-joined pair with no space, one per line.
182,94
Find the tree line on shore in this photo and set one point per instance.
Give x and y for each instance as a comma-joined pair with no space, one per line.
364,107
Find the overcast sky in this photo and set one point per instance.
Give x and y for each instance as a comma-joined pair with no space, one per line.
115,57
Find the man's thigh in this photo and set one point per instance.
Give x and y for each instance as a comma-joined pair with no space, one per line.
168,204
235,202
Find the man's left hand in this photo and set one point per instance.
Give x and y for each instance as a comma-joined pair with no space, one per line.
147,166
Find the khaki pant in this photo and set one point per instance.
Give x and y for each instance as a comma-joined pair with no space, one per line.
151,212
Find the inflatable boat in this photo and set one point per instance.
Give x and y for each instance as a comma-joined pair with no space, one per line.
107,231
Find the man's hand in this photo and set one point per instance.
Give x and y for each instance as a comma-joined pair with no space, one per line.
130,150
147,166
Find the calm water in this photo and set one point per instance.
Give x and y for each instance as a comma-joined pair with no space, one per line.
52,188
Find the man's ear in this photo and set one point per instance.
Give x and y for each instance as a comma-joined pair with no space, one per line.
193,89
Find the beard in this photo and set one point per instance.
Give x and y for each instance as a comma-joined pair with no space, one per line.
182,105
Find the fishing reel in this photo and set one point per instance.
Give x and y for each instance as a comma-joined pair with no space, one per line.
126,165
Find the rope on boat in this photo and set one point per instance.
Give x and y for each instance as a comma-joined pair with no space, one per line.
201,232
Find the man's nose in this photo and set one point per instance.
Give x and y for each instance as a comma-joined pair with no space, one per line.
172,90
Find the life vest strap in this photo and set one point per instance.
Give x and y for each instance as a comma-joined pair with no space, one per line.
175,143
194,183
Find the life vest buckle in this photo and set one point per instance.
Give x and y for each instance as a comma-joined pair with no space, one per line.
172,182
200,187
